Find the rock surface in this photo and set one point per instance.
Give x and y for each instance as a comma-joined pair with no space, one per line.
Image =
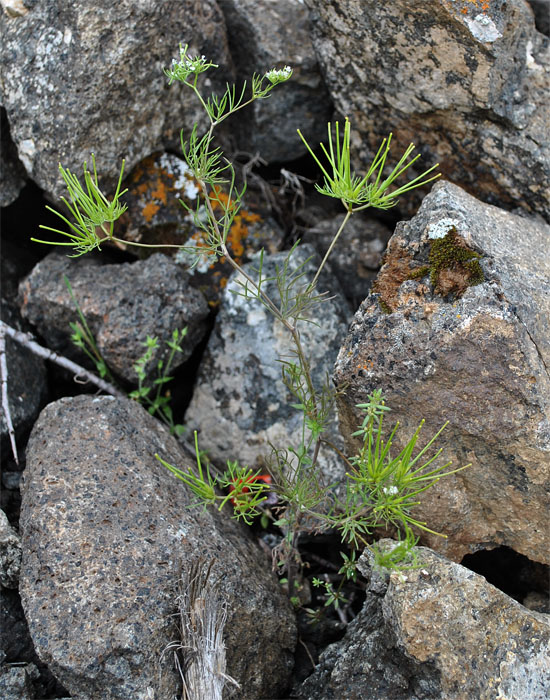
440,631
476,356
12,173
105,529
122,304
103,63
240,403
10,554
27,384
264,35
467,82
357,255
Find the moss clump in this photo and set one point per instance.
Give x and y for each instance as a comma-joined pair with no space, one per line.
453,267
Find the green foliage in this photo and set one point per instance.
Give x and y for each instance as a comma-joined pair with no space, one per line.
381,490
90,209
152,396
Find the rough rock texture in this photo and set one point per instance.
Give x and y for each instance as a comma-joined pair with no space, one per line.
88,77
27,384
122,304
268,34
12,173
16,682
467,82
357,256
441,631
10,554
240,403
105,528
476,356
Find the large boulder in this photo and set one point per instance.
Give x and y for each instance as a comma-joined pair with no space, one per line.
88,77
240,404
467,82
106,533
439,631
457,330
264,35
122,304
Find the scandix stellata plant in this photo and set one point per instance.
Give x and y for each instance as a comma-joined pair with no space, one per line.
382,489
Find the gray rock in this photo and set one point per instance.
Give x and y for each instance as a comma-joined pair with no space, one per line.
16,681
12,173
265,35
27,385
10,554
122,304
15,642
472,90
240,403
89,78
476,356
439,631
105,529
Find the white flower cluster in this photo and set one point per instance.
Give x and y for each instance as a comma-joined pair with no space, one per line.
390,490
278,75
188,63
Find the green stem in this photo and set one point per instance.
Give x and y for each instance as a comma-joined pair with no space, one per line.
329,251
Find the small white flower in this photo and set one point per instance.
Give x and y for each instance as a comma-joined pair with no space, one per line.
278,75
390,490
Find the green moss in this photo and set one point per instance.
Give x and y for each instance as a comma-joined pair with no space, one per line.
385,307
453,267
419,272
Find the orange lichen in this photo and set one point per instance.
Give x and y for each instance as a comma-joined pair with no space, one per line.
149,210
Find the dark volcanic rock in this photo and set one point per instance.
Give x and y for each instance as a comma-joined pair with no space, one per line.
122,304
467,82
88,77
105,529
437,631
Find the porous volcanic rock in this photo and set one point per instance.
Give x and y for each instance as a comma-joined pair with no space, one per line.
265,35
240,404
106,530
476,356
122,304
88,77
439,631
468,82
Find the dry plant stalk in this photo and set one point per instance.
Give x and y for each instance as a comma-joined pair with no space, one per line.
199,655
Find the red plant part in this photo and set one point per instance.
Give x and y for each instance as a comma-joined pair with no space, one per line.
262,478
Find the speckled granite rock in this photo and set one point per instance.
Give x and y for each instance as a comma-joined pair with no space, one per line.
263,35
240,403
105,528
10,554
476,356
467,82
122,304
88,77
440,631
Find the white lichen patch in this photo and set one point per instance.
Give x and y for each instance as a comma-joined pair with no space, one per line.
27,153
183,178
439,229
483,28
